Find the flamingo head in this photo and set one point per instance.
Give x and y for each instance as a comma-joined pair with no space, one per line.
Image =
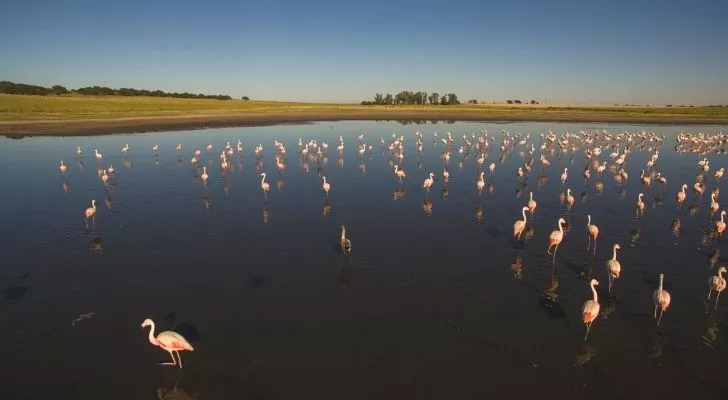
93,203
594,282
562,221
721,270
147,322
617,247
524,209
722,212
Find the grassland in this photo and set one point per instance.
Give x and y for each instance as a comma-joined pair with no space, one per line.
67,115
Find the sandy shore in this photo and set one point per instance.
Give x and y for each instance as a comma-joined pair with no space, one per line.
79,127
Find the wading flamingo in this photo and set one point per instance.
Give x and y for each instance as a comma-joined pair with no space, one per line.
326,186
531,203
170,341
564,176
720,225
481,183
345,243
681,195
590,309
400,173
640,203
555,238
263,184
91,213
661,298
155,148
717,284
614,268
714,206
569,198
592,232
519,225
63,168
719,173
428,182
204,174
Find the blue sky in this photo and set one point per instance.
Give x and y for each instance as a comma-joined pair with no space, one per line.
560,51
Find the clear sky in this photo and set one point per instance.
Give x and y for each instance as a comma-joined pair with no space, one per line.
561,51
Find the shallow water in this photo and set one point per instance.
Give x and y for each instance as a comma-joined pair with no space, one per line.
437,300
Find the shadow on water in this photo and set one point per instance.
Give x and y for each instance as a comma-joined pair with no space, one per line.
13,294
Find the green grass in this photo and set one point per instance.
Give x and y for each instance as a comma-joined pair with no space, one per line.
40,108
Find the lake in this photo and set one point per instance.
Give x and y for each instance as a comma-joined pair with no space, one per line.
437,299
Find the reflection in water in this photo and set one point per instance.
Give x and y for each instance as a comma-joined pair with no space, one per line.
107,201
175,393
66,186
586,353
517,267
710,332
207,201
427,207
326,209
127,163
266,215
399,193
478,214
96,245
444,193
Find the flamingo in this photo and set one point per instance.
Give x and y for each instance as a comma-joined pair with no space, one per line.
590,309
125,149
326,186
646,180
63,168
170,341
564,176
445,174
204,174
592,233
719,173
428,182
640,203
481,183
99,156
698,189
104,177
569,198
720,225
531,203
263,184
400,173
519,225
491,168
613,266
179,148
717,283
209,147
661,298
681,194
79,152
345,243
155,148
602,167
555,238
714,206
91,213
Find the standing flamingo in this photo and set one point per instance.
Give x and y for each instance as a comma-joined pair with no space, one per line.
590,309
170,341
400,173
481,183
445,175
204,174
640,203
155,148
79,152
263,184
519,225
714,206
63,168
326,186
569,198
90,213
661,298
614,268
99,156
720,225
592,232
345,243
681,194
428,182
564,176
555,238
717,283
531,203
719,173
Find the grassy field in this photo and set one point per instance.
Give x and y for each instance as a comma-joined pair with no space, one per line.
39,108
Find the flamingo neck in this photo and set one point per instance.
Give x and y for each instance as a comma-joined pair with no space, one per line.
721,216
152,339
614,253
531,196
639,197
594,293
343,234
561,228
659,288
523,212
588,220
642,174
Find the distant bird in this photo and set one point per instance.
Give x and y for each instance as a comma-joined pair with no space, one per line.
480,184
345,243
613,267
531,203
681,195
427,184
569,198
263,184
99,156
714,206
555,238
204,174
646,180
445,174
125,149
717,284
719,173
640,203
590,309
179,148
63,167
491,167
400,173
209,147
104,177
110,169
661,298
326,186
155,148
170,341
519,225
592,232
90,213
602,167
564,176
720,225
79,152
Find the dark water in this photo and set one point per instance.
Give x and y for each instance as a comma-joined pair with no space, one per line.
434,302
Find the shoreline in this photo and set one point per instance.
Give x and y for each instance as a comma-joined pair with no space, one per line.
91,127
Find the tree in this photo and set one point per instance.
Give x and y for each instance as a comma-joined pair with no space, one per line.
443,100
473,101
534,102
517,101
435,98
388,99
452,99
246,98
509,101
58,89
378,99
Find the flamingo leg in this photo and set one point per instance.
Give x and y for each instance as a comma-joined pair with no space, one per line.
655,313
180,359
716,300
660,319
174,361
553,260
609,275
594,251
710,291
588,326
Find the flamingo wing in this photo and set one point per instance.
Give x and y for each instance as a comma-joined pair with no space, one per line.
173,341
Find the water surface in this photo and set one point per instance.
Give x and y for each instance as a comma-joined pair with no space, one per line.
437,300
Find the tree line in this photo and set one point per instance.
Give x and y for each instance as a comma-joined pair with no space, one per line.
22,88
412,98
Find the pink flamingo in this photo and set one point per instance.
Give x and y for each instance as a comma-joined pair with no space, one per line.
90,213
592,232
170,341
717,283
519,225
681,194
531,204
661,298
614,268
640,203
400,173
204,175
720,225
590,309
63,168
481,183
326,186
569,198
714,206
427,184
555,238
